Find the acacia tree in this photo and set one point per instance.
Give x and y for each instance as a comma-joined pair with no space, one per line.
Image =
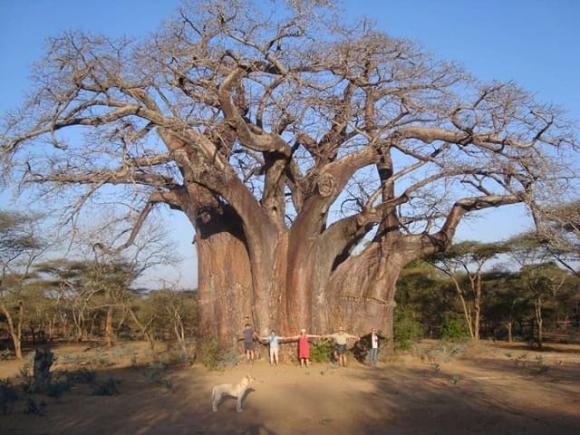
464,264
508,304
543,282
98,284
20,247
558,233
539,277
287,138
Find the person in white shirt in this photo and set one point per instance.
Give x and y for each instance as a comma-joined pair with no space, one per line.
373,341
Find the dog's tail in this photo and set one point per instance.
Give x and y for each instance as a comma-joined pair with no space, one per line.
212,396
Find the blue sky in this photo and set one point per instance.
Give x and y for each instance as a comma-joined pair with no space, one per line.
534,43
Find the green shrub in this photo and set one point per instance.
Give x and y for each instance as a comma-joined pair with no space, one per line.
154,373
210,354
102,360
134,360
8,395
454,330
230,359
34,407
57,388
120,352
70,359
109,387
406,329
6,354
26,379
321,352
167,384
81,376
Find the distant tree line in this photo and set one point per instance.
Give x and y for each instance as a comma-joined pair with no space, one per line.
82,299
495,290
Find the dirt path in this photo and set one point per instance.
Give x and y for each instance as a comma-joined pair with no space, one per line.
491,393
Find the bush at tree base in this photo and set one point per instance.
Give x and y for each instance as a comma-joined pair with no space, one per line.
321,352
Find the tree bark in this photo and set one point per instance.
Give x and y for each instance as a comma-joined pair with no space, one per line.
15,330
362,291
539,321
109,328
225,286
476,317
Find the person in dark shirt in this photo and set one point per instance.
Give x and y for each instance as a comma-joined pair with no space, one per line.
373,343
249,335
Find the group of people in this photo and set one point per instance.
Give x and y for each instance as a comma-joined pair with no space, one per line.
340,338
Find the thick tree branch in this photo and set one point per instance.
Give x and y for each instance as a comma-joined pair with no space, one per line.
444,237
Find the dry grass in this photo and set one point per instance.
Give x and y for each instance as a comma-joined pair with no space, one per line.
493,388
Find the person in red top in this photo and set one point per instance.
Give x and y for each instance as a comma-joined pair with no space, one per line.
303,347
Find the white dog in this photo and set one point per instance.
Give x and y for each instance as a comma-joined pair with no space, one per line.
237,391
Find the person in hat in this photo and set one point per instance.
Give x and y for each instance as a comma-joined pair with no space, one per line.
341,340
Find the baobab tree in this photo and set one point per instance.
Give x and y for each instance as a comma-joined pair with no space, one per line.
314,159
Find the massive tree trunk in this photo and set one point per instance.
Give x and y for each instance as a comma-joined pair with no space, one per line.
363,290
224,285
224,273
308,285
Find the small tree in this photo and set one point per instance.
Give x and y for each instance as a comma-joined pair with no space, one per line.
176,313
541,278
464,264
558,232
507,302
542,282
20,247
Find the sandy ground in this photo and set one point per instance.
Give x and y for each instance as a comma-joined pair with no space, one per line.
492,389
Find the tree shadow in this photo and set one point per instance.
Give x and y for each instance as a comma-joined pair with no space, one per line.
428,402
551,347
142,407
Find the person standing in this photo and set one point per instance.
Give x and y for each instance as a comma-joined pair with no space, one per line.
373,341
274,342
341,339
249,335
303,347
